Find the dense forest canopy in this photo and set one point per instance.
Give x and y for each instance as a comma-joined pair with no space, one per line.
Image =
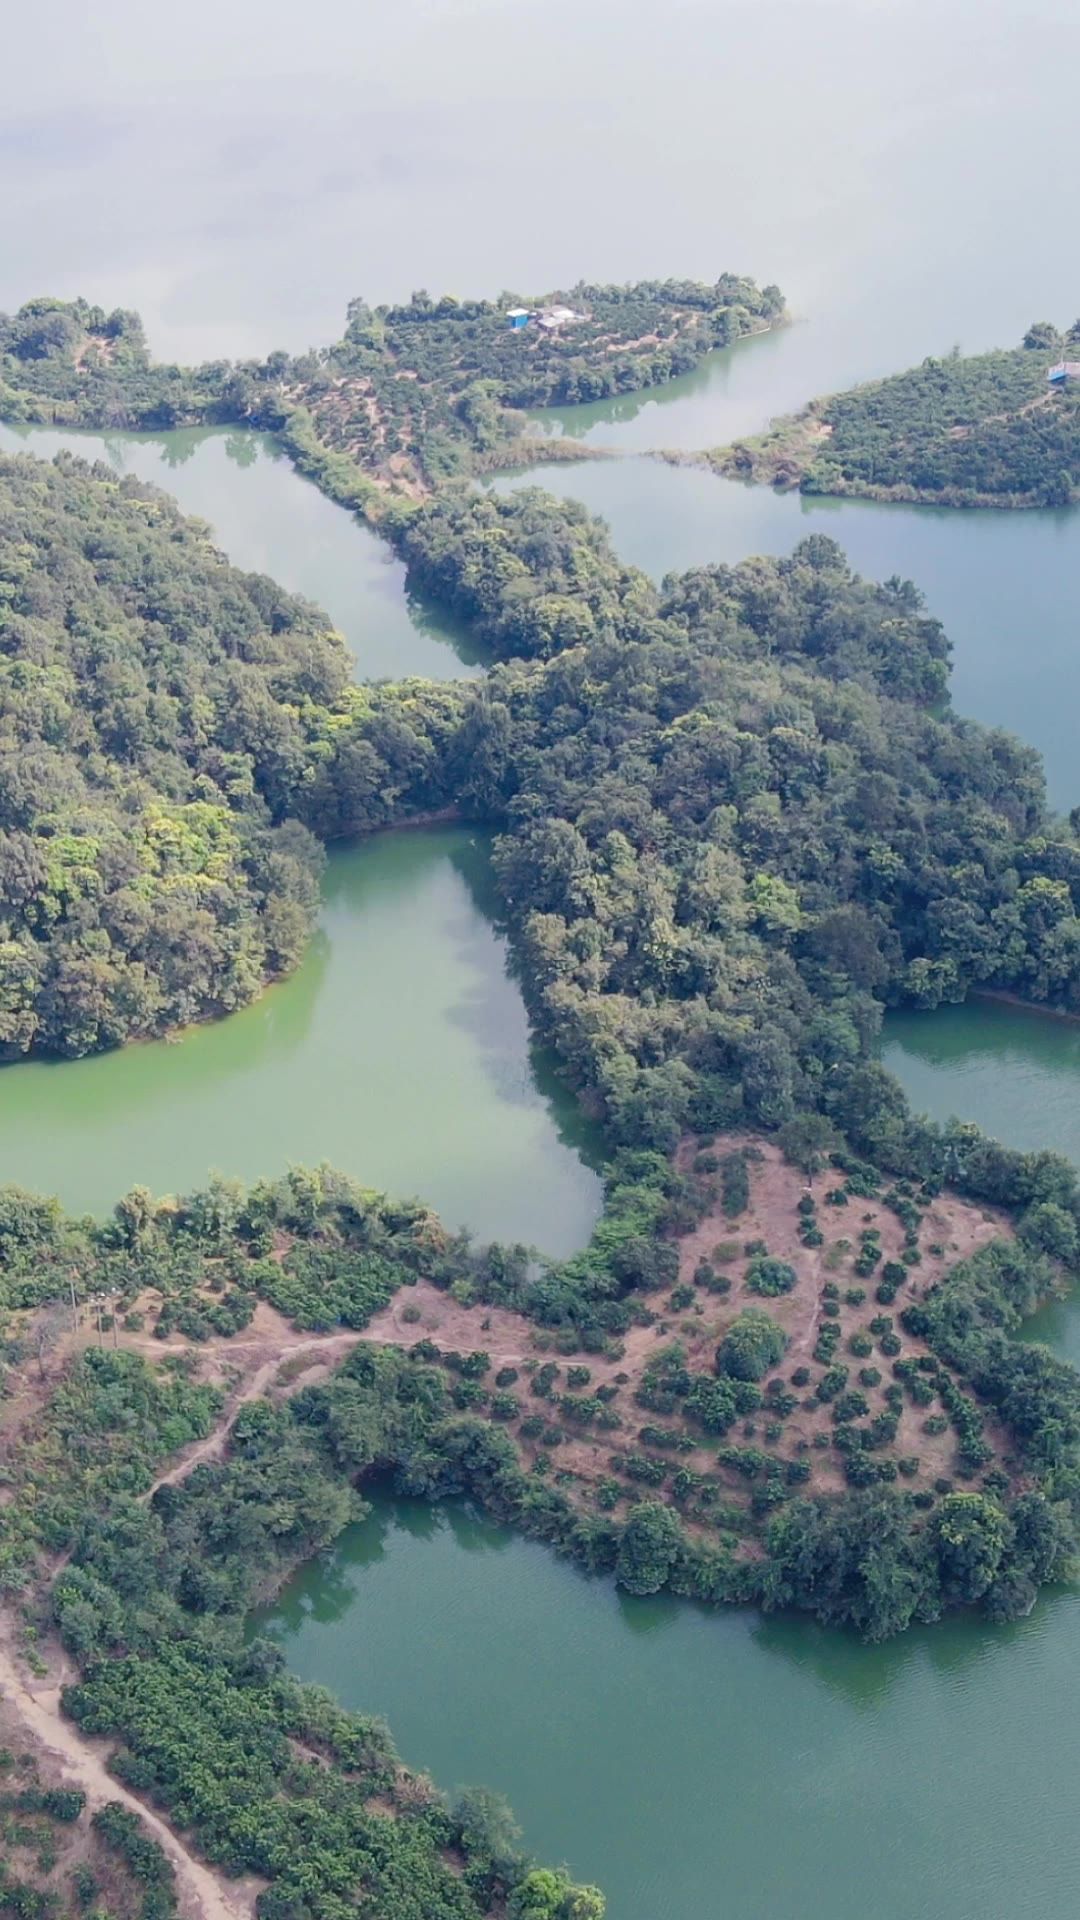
157,709
412,394
736,818
986,429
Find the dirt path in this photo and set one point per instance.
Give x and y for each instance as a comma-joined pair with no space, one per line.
325,1349
35,1707
253,1365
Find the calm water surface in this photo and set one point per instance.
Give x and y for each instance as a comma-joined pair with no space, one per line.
399,1051
701,1764
897,166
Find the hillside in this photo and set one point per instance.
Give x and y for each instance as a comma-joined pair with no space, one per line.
156,710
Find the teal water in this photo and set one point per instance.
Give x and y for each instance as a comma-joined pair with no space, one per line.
699,1764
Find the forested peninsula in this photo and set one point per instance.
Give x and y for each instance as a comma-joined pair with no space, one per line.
984,430
412,394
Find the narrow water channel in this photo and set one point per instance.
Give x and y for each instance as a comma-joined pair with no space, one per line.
268,519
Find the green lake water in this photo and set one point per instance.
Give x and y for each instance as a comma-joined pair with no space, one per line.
700,1765
399,1051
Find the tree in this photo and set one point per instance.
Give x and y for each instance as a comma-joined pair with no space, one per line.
751,1347
1042,337
971,1533
650,1544
807,1140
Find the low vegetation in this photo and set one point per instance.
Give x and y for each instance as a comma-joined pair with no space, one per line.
58,1861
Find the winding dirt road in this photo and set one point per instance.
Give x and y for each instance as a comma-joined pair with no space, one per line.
203,1894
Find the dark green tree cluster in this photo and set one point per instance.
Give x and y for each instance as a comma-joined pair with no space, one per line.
160,715
738,819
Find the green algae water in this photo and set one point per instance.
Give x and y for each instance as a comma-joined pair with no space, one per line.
703,1764
398,1051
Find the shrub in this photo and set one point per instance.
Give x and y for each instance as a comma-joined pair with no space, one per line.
506,1376
770,1277
578,1376
850,1405
801,1377
734,1185
831,1383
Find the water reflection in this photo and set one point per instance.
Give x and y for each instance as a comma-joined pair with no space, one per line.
687,412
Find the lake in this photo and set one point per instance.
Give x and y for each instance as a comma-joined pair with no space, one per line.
899,169
400,1049
699,1764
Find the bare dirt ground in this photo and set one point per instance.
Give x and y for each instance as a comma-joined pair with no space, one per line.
30,1717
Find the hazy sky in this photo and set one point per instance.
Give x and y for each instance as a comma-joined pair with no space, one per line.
238,170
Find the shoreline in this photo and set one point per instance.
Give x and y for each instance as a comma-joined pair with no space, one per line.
1004,997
